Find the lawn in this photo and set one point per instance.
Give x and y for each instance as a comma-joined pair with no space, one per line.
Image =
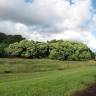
44,77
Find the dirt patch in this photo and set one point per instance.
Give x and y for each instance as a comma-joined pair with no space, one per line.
90,91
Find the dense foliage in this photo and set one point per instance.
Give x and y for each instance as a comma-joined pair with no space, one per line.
60,50
5,40
70,50
17,46
8,39
29,49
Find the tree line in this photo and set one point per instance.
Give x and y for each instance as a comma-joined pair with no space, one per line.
17,46
6,40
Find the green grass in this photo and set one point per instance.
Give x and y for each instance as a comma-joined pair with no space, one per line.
43,77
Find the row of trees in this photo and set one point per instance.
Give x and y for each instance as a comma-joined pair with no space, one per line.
17,46
60,50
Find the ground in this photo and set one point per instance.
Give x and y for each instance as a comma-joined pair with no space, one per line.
89,91
44,77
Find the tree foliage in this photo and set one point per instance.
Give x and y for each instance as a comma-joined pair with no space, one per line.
17,46
5,40
60,50
8,39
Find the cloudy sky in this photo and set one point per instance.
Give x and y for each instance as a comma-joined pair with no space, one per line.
50,19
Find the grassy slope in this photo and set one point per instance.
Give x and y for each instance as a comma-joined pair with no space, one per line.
44,77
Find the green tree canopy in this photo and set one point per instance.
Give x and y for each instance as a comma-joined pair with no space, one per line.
61,50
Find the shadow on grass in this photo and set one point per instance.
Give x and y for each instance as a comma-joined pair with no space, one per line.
89,91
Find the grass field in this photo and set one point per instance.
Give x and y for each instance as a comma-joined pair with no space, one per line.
44,77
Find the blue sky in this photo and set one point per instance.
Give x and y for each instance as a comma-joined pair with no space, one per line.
94,9
44,20
28,1
94,4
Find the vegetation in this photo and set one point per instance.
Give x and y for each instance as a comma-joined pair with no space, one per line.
60,50
8,39
17,46
72,67
5,40
44,77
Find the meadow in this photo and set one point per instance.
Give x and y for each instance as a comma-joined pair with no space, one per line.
44,77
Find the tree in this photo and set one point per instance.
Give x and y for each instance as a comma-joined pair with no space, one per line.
28,49
12,39
85,55
14,50
24,48
42,50
2,49
2,37
55,54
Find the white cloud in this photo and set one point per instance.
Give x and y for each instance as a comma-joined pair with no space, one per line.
44,12
48,19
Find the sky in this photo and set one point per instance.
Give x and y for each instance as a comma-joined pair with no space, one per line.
43,20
